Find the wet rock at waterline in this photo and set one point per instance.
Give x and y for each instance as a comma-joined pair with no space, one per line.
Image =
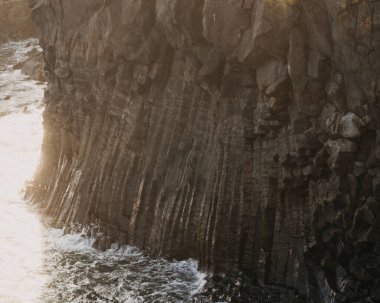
243,134
33,65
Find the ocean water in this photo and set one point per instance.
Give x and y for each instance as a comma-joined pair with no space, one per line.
39,264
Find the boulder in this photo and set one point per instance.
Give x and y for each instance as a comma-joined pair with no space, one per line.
351,126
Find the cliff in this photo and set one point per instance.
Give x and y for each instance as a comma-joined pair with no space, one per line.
243,134
15,20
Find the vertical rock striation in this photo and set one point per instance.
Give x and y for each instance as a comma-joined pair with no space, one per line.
242,133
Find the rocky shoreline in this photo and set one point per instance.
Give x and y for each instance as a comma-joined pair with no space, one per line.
33,65
243,134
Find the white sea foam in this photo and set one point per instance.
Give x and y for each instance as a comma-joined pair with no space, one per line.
124,274
22,275
70,242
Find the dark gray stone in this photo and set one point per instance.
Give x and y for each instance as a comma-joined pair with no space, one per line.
243,134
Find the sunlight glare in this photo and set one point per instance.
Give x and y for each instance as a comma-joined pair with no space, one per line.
22,249
20,231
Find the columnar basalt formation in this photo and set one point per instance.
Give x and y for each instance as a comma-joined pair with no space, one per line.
242,133
15,20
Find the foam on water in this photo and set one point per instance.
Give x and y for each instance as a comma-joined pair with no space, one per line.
44,265
120,274
21,254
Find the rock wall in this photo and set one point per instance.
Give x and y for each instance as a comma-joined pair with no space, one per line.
15,20
242,133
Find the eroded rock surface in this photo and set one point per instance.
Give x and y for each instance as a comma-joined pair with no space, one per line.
15,20
244,134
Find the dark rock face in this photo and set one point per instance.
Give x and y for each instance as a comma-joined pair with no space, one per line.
15,20
244,134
